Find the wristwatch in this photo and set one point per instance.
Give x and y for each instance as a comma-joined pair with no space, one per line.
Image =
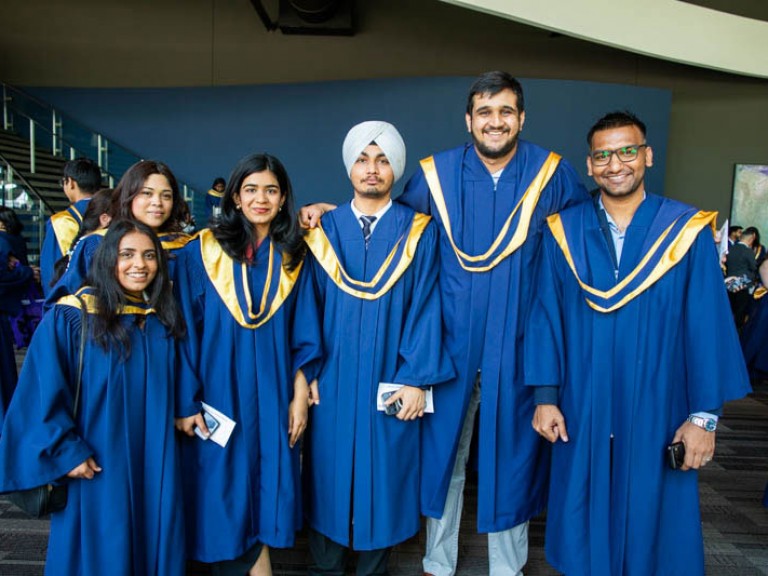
708,424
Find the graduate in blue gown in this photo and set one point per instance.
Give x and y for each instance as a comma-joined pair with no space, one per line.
631,347
754,334
96,218
253,343
15,279
148,193
81,179
213,197
118,455
491,216
375,265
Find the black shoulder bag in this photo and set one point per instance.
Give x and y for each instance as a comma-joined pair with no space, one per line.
41,501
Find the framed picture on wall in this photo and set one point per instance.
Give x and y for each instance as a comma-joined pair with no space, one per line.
749,206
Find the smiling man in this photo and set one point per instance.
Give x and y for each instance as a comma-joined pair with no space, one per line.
490,199
621,354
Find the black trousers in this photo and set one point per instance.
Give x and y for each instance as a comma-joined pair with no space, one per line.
330,558
239,566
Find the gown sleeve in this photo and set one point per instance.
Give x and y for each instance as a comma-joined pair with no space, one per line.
39,442
423,358
544,352
306,331
416,193
714,361
189,289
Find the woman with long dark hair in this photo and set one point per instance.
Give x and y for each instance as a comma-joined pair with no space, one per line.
250,352
116,451
148,193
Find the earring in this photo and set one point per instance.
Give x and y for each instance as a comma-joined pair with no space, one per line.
237,206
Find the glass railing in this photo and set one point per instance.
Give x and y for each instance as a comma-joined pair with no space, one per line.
62,136
19,196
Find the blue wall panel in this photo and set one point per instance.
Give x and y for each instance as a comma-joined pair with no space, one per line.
202,132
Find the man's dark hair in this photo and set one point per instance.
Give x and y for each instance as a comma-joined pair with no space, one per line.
132,183
11,221
752,231
108,330
491,83
85,172
732,229
617,119
233,230
218,181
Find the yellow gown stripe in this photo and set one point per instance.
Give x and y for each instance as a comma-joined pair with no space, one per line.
678,247
168,240
328,259
90,304
526,206
174,240
221,271
65,227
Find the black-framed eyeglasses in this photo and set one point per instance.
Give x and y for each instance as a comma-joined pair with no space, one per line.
63,181
625,154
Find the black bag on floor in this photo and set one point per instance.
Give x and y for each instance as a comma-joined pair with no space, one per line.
41,501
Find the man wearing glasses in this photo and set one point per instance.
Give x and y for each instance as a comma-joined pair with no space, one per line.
81,180
620,350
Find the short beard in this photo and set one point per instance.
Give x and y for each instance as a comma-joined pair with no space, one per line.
486,152
373,193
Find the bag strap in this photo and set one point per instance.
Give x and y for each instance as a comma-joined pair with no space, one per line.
83,336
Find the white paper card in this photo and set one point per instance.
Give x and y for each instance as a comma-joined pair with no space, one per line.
385,387
226,426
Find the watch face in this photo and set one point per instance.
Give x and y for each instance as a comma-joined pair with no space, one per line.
710,425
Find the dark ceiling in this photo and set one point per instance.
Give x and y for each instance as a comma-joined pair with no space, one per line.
755,9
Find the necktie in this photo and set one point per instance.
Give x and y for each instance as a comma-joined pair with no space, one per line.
367,221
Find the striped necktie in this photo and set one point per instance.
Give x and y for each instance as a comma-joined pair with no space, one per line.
367,221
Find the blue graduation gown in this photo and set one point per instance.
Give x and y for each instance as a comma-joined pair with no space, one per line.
50,251
13,285
483,316
127,521
212,200
754,338
635,373
362,466
82,257
249,491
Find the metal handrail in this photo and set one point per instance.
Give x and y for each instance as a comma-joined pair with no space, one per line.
57,116
26,183
39,126
41,204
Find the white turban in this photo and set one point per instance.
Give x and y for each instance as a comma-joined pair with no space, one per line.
384,135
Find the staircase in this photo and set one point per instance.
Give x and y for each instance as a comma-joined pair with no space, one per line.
34,196
48,169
